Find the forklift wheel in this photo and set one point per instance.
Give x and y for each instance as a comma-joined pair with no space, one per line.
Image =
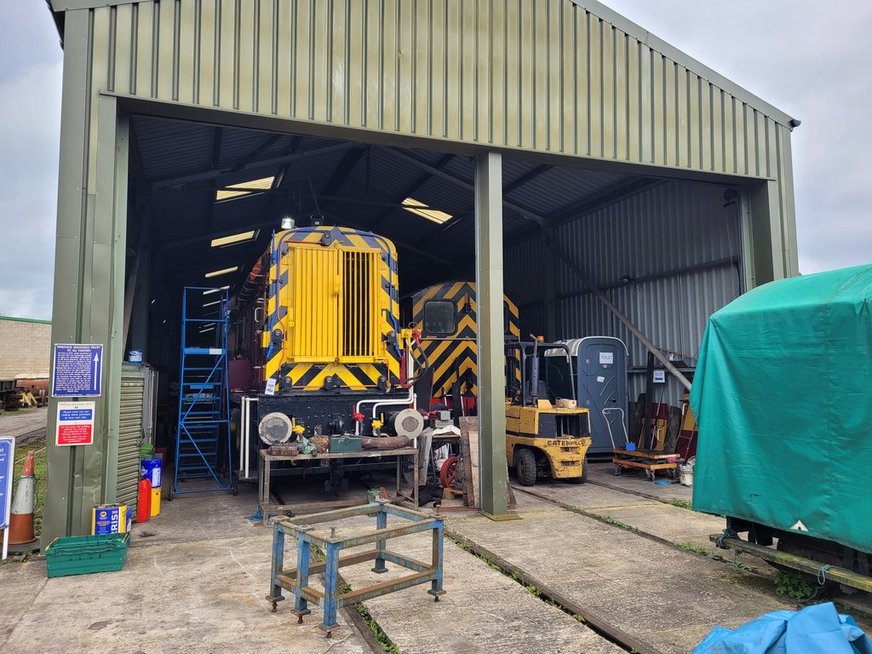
525,467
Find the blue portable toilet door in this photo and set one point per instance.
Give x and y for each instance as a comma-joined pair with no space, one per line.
602,389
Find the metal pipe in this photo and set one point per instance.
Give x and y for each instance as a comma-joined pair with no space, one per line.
410,373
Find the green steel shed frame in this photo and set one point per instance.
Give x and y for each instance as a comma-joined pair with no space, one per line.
559,79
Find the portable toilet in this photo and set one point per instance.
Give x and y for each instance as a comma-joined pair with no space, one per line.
599,376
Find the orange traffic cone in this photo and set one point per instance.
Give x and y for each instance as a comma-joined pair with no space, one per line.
21,518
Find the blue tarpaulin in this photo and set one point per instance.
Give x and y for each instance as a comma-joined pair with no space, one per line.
818,629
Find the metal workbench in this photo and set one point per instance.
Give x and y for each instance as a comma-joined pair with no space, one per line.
265,461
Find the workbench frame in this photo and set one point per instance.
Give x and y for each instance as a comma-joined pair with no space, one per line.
645,460
296,579
265,461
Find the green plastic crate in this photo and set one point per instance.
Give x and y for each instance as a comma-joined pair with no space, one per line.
82,555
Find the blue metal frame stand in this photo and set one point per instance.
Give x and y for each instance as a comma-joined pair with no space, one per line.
203,443
296,579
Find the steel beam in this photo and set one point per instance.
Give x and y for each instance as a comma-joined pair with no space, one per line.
457,181
773,258
209,175
491,354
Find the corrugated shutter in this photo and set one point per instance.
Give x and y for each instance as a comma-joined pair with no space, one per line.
130,435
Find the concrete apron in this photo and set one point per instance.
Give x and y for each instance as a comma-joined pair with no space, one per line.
196,578
482,611
666,598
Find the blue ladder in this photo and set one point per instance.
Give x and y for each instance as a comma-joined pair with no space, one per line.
203,445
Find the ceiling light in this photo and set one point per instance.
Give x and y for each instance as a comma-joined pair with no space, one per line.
420,209
287,222
222,271
233,239
211,304
215,290
207,328
242,189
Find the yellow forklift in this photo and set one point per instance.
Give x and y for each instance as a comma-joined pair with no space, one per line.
542,439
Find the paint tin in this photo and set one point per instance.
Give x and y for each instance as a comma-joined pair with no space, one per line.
155,502
109,519
151,469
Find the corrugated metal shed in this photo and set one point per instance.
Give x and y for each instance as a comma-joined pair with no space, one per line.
588,109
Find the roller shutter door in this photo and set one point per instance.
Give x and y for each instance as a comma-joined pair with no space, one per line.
130,435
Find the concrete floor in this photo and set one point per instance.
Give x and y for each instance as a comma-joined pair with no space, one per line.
196,577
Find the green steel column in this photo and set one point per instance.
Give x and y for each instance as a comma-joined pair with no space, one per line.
69,255
746,254
491,352
89,280
768,255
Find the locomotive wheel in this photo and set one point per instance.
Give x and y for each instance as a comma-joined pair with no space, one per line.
448,472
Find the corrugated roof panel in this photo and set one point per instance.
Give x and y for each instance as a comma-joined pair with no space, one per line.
170,147
561,187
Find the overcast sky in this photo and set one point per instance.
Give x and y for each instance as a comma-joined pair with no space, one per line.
809,59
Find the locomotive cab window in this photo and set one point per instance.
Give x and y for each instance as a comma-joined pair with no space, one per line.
439,317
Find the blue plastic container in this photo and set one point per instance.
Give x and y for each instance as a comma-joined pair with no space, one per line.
151,469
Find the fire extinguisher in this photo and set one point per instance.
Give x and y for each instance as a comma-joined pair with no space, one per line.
143,504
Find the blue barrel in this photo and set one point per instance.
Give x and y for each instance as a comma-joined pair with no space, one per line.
151,469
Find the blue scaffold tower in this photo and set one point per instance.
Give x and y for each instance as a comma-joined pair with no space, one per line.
204,452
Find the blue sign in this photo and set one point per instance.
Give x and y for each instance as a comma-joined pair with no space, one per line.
78,370
7,449
75,414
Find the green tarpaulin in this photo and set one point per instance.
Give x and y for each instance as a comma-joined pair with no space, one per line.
783,397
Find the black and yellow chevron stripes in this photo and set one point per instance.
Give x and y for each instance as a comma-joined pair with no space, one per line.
453,357
331,301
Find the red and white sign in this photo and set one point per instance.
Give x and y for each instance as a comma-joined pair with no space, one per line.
75,424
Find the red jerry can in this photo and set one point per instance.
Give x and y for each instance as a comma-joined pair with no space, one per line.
143,504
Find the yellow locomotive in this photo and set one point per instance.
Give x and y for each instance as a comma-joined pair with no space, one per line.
319,323
542,440
445,317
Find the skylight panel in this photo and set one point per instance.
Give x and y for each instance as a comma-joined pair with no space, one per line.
233,239
420,209
244,189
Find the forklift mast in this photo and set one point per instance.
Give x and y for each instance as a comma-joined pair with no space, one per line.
518,353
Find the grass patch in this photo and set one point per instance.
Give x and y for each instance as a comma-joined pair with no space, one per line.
691,547
386,643
609,520
681,503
